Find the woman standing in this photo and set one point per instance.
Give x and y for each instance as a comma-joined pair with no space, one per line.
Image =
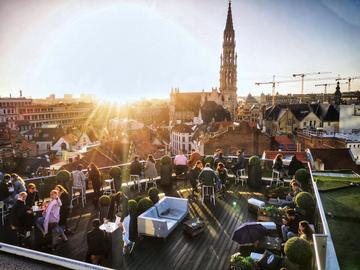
222,173
150,168
65,206
95,178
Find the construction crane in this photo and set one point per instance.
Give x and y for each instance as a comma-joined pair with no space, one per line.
325,85
302,76
349,79
273,83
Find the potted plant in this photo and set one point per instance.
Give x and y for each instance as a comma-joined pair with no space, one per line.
269,213
238,262
63,177
166,170
143,205
115,173
254,171
303,177
104,205
153,194
299,251
209,159
305,201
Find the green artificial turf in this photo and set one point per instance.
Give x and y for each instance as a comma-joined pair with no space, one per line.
344,204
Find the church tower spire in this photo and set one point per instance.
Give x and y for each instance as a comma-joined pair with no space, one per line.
228,75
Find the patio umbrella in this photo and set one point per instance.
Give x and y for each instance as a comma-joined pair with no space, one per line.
249,233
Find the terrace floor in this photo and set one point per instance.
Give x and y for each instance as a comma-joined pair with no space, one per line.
208,250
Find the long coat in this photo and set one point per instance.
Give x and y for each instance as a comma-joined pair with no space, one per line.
150,170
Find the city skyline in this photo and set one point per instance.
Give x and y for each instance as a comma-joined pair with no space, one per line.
146,47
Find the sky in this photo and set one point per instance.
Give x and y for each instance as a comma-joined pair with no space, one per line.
127,50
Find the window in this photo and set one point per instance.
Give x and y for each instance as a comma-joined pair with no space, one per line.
329,124
304,124
310,123
314,123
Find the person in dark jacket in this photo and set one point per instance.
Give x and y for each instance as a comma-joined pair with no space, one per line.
194,176
20,217
118,204
97,244
294,165
135,166
278,165
32,195
94,177
290,225
219,158
240,162
5,186
65,206
222,173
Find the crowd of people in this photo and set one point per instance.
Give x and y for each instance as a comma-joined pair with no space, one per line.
29,212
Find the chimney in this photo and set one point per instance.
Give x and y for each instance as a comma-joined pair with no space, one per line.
20,93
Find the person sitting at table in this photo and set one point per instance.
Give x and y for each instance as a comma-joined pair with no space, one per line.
32,195
305,231
289,200
97,244
18,184
222,173
118,206
219,159
194,177
240,162
51,216
180,163
64,208
208,177
135,167
290,225
21,217
6,189
279,166
193,158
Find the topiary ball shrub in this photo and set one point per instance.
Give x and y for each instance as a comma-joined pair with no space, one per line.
63,176
298,251
115,172
239,262
303,177
165,160
305,200
254,161
153,194
144,204
132,207
104,200
209,159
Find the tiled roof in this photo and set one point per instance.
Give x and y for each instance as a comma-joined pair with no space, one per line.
335,158
70,138
299,155
182,128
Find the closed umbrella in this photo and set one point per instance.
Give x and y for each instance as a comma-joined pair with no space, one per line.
249,233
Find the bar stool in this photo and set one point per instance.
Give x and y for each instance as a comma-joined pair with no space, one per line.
111,187
207,191
275,177
4,212
136,181
150,181
81,194
241,176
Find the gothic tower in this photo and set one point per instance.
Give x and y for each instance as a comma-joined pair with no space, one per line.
228,61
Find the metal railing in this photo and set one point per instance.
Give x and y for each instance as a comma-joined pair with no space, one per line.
325,255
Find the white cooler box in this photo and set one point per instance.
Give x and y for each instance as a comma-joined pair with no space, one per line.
255,204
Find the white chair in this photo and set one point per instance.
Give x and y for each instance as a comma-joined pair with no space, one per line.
76,193
241,176
151,181
110,187
136,181
208,191
3,212
275,177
